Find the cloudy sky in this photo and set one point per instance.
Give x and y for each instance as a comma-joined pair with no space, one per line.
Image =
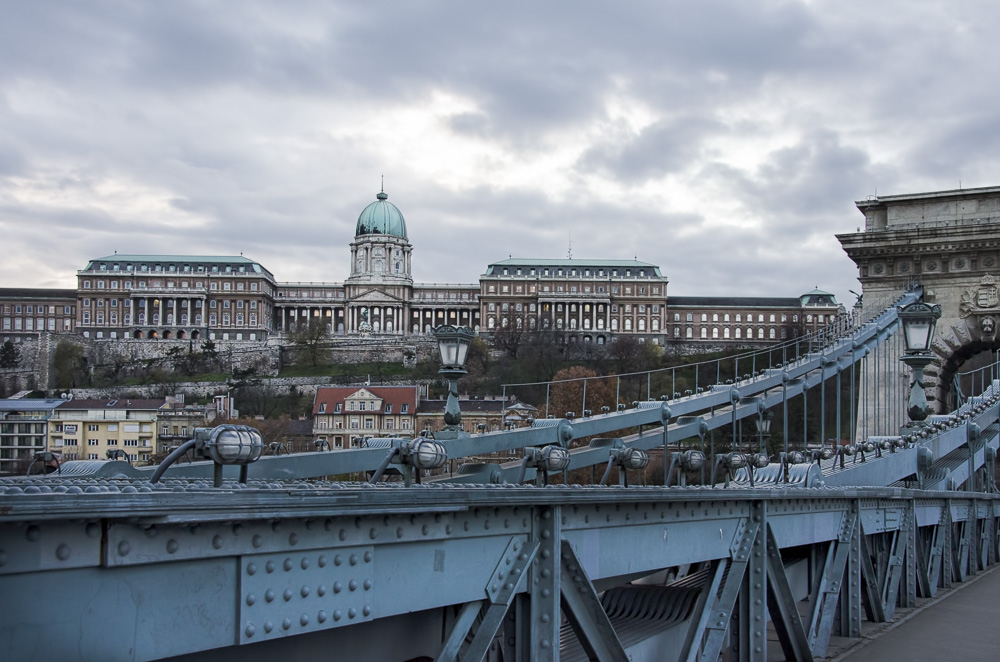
724,140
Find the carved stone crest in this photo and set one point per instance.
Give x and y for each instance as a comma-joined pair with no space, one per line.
979,298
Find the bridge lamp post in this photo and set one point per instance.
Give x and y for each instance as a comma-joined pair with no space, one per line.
764,429
453,343
919,321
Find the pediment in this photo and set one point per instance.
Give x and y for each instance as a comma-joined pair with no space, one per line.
375,296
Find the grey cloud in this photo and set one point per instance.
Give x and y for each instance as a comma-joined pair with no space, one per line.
666,146
215,112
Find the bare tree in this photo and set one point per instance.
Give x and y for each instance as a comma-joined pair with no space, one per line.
312,340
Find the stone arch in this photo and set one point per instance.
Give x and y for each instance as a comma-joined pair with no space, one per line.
957,341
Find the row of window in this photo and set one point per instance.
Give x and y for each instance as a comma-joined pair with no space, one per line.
36,324
141,319
173,268
571,289
133,457
31,309
227,286
170,303
737,333
559,271
587,324
364,405
356,423
772,317
573,308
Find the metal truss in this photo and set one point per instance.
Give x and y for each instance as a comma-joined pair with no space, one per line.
471,573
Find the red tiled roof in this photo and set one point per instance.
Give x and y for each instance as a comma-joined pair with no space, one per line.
397,396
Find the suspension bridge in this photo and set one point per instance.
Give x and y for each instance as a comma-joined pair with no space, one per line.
737,552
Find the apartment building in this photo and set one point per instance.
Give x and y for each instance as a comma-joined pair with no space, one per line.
24,426
85,429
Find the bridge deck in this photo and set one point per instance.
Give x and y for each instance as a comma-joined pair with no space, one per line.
959,627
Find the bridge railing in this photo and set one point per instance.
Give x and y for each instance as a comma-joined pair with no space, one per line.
583,394
767,384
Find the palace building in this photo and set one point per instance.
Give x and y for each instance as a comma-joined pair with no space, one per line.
234,298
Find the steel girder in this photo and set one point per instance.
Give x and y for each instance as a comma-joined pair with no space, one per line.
240,573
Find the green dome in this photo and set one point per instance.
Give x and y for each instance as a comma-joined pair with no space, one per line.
381,217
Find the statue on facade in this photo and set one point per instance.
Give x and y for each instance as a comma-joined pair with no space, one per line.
364,328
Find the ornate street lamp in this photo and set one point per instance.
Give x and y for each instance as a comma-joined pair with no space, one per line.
453,343
919,320
764,429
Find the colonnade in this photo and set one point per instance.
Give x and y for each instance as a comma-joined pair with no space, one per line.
155,310
392,319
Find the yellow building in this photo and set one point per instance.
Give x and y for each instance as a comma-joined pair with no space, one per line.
88,429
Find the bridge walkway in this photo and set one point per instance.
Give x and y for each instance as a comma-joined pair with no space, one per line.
959,627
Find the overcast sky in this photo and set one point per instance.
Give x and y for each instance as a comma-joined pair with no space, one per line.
724,140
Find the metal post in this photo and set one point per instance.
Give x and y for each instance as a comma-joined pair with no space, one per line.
784,417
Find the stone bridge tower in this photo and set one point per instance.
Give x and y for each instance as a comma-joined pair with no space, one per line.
949,242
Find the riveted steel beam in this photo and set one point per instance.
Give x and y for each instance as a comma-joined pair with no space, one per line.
546,583
584,611
783,607
830,584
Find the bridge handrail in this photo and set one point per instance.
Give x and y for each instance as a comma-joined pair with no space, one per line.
727,403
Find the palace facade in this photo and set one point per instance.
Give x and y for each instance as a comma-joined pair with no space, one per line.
234,298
